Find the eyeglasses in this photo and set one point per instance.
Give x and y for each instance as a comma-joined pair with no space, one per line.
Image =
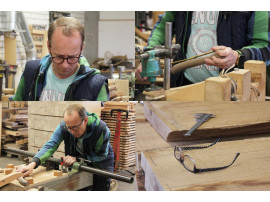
74,128
70,60
190,164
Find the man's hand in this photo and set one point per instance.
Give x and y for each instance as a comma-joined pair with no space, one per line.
138,73
69,160
228,57
27,170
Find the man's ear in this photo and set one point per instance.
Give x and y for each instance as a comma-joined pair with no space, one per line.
48,46
82,46
86,120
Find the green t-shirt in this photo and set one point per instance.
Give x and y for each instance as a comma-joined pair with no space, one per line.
202,38
55,88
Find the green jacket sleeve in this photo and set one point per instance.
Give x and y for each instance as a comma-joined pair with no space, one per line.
258,34
158,34
19,95
102,96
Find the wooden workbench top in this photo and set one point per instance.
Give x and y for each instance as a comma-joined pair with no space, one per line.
249,172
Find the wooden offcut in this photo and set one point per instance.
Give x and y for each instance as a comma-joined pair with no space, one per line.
173,119
10,165
8,171
9,178
58,173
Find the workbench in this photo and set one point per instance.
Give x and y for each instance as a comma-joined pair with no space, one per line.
50,182
163,172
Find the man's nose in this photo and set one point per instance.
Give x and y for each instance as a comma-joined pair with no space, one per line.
65,63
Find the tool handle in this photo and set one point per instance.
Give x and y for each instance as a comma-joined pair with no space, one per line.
191,63
23,181
119,110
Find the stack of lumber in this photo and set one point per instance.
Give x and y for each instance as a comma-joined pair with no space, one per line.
44,117
15,126
127,132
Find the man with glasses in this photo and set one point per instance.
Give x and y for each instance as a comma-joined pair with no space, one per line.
64,74
85,136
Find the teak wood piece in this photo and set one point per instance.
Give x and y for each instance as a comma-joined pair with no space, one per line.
8,171
173,119
10,166
58,173
164,172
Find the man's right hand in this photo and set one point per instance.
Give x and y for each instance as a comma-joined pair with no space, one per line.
27,170
138,73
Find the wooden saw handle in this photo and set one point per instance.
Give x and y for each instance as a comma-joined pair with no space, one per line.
191,63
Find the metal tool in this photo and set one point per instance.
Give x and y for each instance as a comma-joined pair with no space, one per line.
92,170
150,61
116,142
200,119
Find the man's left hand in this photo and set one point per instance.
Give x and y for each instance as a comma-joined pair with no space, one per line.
69,160
228,57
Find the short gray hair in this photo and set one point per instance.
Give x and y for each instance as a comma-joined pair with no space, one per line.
76,107
68,25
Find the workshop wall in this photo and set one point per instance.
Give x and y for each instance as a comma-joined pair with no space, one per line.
120,25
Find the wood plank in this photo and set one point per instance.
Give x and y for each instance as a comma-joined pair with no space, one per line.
173,119
164,172
9,178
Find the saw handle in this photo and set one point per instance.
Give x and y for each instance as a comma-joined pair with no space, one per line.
191,63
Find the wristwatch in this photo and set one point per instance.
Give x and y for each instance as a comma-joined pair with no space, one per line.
240,60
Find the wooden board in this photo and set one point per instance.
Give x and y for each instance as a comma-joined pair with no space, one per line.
164,172
173,119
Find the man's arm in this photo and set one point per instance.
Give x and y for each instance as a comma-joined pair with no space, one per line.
49,148
258,33
259,49
103,96
102,146
157,36
44,153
